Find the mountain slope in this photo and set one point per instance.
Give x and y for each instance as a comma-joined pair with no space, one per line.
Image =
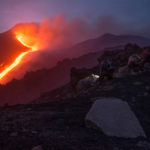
61,124
106,41
31,86
34,83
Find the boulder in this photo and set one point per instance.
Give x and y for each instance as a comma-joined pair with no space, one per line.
115,118
87,82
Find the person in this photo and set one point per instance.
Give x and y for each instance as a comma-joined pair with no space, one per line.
107,69
135,62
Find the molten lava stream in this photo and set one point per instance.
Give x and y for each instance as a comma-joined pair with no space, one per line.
17,61
13,65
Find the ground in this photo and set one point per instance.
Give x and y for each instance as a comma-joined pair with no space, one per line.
60,124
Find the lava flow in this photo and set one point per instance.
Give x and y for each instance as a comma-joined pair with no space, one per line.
27,42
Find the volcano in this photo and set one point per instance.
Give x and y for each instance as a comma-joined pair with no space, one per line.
24,38
10,49
11,52
14,45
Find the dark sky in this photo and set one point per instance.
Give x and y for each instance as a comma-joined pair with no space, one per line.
134,14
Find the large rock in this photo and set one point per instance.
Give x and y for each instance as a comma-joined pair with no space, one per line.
87,82
115,118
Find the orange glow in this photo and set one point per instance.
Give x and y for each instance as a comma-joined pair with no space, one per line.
27,41
13,65
23,40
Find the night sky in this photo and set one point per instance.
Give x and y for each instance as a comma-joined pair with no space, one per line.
133,15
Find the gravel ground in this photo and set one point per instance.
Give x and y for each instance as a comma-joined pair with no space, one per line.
60,125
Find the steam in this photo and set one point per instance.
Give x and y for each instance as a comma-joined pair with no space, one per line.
56,32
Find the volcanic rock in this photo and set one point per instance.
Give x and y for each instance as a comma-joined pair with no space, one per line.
87,82
115,118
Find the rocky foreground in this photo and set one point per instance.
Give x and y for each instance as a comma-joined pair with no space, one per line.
60,125
57,120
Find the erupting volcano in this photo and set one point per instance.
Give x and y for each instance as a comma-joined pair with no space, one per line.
27,39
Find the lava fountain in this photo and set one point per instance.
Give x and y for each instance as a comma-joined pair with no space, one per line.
24,34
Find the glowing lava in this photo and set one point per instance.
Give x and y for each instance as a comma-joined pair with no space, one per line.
26,41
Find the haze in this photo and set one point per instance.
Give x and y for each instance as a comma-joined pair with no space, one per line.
133,14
